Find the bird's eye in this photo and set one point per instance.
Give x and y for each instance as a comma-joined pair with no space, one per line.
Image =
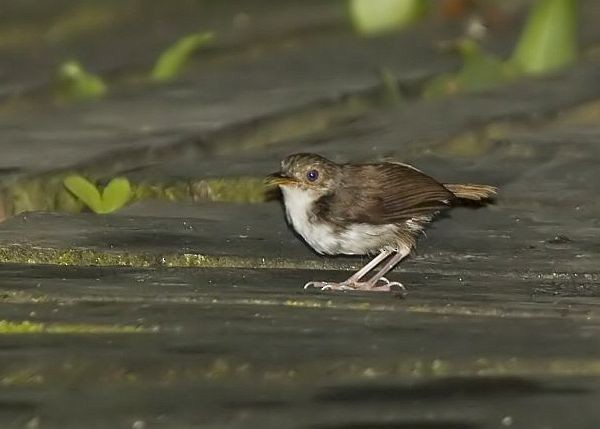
312,175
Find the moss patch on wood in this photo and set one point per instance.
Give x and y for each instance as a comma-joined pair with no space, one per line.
48,193
227,369
27,254
8,327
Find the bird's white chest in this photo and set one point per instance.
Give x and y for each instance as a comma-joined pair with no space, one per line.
299,212
355,239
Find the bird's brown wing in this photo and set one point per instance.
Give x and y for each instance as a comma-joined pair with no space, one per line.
384,193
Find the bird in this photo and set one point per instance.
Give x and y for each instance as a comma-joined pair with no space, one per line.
377,208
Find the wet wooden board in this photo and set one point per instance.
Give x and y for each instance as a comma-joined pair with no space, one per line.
218,96
89,31
467,137
246,348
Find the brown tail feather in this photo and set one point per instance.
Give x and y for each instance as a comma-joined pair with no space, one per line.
472,192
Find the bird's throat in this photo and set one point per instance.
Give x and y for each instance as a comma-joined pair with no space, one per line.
299,204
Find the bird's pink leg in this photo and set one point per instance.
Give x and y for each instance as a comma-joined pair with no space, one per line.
369,267
391,263
354,283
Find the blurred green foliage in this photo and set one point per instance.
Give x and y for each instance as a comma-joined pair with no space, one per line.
76,84
479,70
372,17
549,39
548,42
171,62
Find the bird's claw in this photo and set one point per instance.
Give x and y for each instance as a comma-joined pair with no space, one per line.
392,284
328,286
396,287
388,286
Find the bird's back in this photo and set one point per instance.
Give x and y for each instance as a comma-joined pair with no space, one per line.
386,205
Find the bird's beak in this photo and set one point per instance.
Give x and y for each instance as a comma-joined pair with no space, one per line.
277,179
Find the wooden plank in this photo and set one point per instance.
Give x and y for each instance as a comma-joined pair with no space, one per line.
247,342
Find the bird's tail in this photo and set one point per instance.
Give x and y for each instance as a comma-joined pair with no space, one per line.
473,192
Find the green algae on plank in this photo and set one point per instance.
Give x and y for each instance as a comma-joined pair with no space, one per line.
28,376
8,327
28,254
464,309
226,189
329,369
238,190
43,193
20,254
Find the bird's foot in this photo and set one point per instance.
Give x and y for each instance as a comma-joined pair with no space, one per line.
393,286
368,286
329,286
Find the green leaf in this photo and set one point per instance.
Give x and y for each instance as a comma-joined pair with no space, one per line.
549,40
371,17
171,62
116,194
85,191
480,71
76,84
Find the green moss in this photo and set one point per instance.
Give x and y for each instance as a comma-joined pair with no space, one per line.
48,193
86,257
239,190
33,195
331,369
496,367
26,327
230,189
22,377
26,254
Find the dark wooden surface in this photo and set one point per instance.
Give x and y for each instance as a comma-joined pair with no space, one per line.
248,348
183,315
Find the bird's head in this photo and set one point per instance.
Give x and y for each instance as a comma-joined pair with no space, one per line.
306,171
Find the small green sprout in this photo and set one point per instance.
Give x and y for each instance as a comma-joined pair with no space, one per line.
114,196
76,84
172,61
